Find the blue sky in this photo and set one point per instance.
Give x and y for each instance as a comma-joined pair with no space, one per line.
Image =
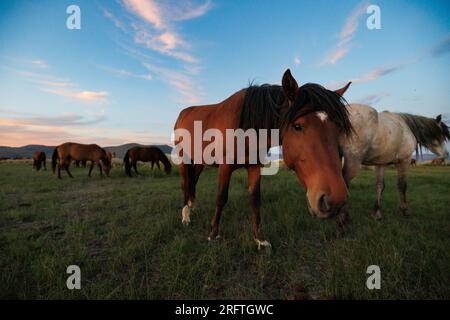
134,64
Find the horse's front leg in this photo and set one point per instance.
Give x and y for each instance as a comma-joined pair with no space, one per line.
254,193
402,168
225,172
349,171
379,172
90,168
100,168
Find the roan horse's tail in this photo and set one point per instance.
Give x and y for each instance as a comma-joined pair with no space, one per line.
54,158
126,162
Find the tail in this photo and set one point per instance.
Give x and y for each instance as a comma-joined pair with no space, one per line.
126,162
54,158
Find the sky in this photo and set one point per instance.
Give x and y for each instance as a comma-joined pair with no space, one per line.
125,75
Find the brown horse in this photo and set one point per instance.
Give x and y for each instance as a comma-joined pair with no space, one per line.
69,151
145,154
438,161
39,159
310,118
413,163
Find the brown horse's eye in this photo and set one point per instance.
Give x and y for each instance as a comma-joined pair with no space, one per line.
298,127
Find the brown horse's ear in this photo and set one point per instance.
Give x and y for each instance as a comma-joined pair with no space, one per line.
439,118
290,86
342,90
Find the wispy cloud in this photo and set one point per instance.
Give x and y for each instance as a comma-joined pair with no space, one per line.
373,99
90,96
156,27
381,71
297,60
60,86
125,73
346,36
441,47
67,120
40,63
182,82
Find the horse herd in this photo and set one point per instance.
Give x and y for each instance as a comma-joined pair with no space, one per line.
324,141
78,153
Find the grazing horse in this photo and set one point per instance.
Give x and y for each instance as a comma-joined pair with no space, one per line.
438,161
69,151
310,119
39,159
413,163
145,154
384,138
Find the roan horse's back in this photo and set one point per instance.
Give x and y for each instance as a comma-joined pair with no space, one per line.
379,138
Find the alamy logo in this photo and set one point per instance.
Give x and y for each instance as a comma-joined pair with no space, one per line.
74,280
74,20
374,20
237,147
374,280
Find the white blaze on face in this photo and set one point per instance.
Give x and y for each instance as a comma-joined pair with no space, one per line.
322,116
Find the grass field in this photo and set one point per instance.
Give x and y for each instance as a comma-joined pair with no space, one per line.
126,235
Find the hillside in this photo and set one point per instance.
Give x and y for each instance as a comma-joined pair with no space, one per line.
28,150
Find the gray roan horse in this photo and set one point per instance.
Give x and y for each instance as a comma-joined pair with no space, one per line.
384,138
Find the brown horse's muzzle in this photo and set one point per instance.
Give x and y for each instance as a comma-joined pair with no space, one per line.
326,205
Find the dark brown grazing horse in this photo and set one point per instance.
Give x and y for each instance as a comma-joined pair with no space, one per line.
69,151
310,118
39,159
145,154
413,163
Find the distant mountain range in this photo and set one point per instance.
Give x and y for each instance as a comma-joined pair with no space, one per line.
27,151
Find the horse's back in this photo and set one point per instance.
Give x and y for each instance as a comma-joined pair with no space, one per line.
379,138
81,152
222,114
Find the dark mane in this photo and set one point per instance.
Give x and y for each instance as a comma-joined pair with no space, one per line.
266,107
426,130
263,107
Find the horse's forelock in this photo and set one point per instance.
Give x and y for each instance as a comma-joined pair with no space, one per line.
314,97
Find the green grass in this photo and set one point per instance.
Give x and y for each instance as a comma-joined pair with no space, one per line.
126,235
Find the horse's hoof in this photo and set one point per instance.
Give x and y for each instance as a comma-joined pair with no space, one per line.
263,244
213,239
185,215
405,213
377,215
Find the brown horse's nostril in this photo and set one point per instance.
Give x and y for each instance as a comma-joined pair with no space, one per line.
323,204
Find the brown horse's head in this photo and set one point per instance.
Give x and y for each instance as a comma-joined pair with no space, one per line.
310,129
105,162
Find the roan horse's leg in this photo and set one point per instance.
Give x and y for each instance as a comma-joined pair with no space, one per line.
254,192
402,168
135,167
379,173
225,172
